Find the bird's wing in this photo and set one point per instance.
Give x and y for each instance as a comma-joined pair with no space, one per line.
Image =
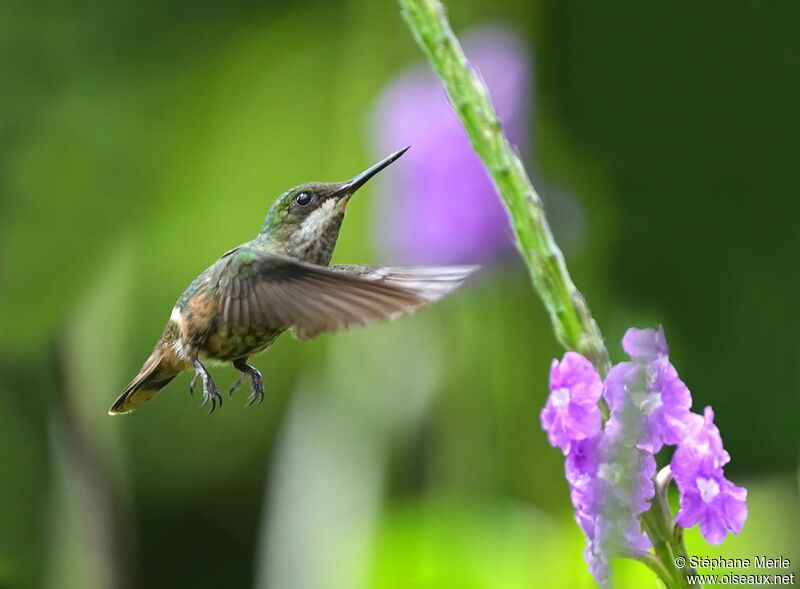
259,288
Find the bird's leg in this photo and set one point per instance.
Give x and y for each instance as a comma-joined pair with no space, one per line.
210,391
237,384
255,376
192,384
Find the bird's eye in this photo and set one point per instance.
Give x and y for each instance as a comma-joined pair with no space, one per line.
303,199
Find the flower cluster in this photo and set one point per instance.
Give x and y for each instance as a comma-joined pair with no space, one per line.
610,464
707,497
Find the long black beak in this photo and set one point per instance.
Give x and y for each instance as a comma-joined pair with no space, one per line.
351,186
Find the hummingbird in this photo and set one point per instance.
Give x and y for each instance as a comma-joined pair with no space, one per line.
281,281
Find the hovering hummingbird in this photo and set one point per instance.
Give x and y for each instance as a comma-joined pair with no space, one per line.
281,281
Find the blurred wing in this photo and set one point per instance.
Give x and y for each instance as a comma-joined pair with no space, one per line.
258,288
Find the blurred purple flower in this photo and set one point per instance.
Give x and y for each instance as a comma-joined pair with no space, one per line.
599,566
627,478
648,392
571,411
610,485
602,472
609,541
440,206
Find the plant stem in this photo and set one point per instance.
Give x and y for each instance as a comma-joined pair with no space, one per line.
652,562
665,535
573,323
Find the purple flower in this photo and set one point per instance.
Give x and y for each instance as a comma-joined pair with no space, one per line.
645,345
610,484
571,412
601,472
647,395
439,205
583,460
626,477
611,467
715,503
707,497
700,451
598,561
613,540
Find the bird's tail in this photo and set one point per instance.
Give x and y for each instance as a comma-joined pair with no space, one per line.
154,376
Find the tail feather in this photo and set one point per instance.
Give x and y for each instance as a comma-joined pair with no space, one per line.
153,377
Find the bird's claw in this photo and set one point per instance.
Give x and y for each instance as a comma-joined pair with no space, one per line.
236,385
210,390
258,389
192,384
211,395
255,378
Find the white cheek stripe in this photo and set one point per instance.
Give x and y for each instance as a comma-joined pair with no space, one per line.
316,221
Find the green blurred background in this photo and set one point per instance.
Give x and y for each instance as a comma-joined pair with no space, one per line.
141,139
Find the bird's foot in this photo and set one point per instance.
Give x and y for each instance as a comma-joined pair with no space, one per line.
210,390
258,388
193,383
237,384
255,378
211,394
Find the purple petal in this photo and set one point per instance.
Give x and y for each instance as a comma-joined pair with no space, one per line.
577,373
691,511
712,526
672,418
735,507
598,563
715,503
616,384
554,423
647,395
582,460
583,421
700,452
571,412
645,345
636,433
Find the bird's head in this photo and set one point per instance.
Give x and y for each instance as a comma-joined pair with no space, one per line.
304,222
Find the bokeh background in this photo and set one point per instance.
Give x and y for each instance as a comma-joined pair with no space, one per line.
141,139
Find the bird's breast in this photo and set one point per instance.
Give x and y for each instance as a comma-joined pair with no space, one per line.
228,343
198,331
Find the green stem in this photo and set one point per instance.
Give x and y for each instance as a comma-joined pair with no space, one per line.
573,323
655,529
654,563
665,535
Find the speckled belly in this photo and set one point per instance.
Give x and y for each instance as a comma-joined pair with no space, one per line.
229,343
